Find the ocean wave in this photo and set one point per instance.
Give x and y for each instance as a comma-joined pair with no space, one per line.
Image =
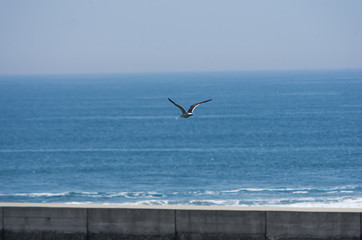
87,194
149,202
263,190
338,196
331,203
337,202
326,189
311,93
211,202
133,194
35,194
130,117
212,149
79,203
156,194
107,150
87,118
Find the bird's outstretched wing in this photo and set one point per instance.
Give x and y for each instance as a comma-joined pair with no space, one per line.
193,106
181,108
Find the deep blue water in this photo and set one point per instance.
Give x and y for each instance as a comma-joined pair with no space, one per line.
266,138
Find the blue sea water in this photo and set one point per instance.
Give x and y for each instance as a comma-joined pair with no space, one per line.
266,139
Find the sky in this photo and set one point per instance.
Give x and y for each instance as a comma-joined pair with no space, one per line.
120,36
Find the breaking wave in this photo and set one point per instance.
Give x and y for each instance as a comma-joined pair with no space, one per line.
340,196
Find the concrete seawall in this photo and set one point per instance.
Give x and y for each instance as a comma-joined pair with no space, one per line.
88,222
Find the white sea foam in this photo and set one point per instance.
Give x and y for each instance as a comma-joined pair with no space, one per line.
78,203
148,202
35,194
260,190
229,202
133,194
342,187
116,194
207,192
297,190
341,203
156,194
210,192
338,196
48,194
89,193
327,202
284,202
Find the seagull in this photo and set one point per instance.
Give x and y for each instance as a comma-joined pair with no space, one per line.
189,113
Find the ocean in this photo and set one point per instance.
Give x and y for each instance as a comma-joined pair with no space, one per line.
268,138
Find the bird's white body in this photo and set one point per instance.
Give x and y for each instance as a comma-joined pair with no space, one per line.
186,115
189,113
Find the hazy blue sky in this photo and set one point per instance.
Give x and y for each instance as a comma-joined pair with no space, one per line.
111,36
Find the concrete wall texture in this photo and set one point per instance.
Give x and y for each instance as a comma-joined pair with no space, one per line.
141,222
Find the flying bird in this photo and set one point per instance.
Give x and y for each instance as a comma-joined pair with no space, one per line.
189,113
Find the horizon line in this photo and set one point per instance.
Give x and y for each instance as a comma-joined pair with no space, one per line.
180,72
